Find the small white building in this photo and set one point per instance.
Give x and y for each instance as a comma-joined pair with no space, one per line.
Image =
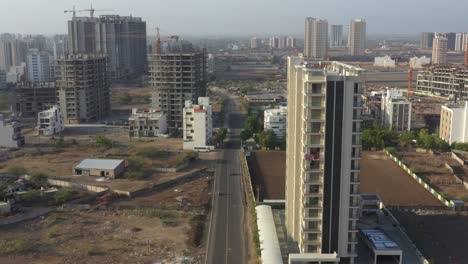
275,120
453,122
50,122
419,62
147,123
10,134
198,125
385,61
396,110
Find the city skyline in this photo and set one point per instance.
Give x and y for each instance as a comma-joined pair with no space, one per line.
208,19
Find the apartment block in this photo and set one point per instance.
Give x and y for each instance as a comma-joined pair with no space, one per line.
147,123
439,49
273,42
291,42
50,122
121,38
316,38
426,40
198,125
396,110
34,97
177,77
453,122
444,81
10,134
357,37
336,38
83,88
38,66
254,43
275,120
323,157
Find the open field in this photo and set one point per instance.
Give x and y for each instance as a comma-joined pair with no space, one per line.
268,172
439,235
381,175
432,169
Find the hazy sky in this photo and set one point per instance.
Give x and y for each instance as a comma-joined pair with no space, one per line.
244,17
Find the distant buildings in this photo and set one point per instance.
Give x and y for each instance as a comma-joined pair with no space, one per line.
420,62
282,42
50,122
291,42
177,76
451,38
198,125
459,37
12,53
34,97
121,38
147,123
38,66
83,88
10,134
108,168
443,81
275,120
316,38
323,158
454,122
273,42
426,40
385,61
337,39
396,111
357,37
3,79
439,50
254,43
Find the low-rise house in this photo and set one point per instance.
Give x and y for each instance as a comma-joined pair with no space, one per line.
50,122
109,168
10,134
147,123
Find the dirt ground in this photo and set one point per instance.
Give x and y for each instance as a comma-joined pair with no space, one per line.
268,171
431,168
381,175
440,236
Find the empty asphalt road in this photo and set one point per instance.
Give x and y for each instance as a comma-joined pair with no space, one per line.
226,232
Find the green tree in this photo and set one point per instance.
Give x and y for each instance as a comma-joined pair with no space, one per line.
253,123
17,171
379,138
103,141
460,146
406,139
267,139
63,196
245,134
38,180
220,135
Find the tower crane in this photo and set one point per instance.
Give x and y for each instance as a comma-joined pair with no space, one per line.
74,11
92,10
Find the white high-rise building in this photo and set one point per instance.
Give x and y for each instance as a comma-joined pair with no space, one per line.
275,120
316,38
50,122
357,37
465,42
439,50
396,110
254,42
459,42
336,36
453,122
323,148
38,66
198,125
281,42
291,42
274,42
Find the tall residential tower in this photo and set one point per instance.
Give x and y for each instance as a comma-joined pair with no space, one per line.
323,156
316,38
439,50
336,36
357,37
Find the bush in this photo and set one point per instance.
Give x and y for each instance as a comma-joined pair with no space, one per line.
17,171
63,196
38,180
150,152
103,141
245,134
31,196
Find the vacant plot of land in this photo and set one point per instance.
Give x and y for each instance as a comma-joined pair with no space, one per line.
440,236
268,170
432,169
381,175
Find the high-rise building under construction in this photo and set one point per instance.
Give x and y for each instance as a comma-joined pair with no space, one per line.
177,74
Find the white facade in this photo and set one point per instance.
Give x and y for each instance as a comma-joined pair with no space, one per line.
197,125
316,38
336,38
465,42
453,123
147,123
274,42
385,61
275,120
291,42
439,50
38,66
459,42
420,62
10,134
396,110
254,43
282,42
357,37
50,122
323,157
